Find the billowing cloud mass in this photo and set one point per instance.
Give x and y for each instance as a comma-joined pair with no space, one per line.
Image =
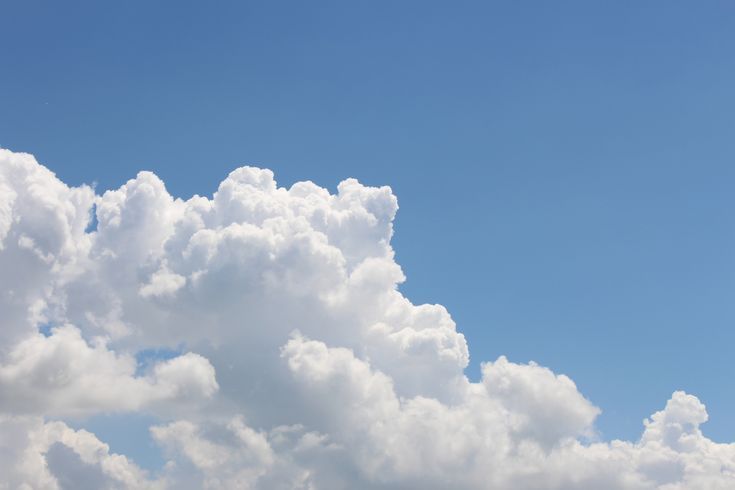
292,360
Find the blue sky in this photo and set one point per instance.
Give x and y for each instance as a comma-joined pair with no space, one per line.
564,169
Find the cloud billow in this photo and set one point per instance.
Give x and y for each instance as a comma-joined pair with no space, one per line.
298,362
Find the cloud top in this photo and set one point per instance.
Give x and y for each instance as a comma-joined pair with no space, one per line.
297,362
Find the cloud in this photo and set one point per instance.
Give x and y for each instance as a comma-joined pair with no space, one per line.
303,366
63,375
38,455
237,460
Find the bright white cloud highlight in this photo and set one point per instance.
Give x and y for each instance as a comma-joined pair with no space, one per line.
301,365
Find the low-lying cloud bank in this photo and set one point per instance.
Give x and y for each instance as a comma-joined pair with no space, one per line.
297,363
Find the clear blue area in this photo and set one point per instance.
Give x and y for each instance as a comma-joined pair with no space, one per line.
45,329
565,169
127,434
92,225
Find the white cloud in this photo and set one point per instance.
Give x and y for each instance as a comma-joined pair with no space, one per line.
63,375
237,460
51,456
162,283
546,407
305,366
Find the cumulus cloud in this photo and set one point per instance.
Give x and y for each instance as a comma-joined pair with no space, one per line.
51,455
61,375
297,361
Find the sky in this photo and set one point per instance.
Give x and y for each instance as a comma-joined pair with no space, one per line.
564,170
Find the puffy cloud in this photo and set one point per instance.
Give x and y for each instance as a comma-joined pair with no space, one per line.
42,242
305,367
61,375
38,455
547,407
162,283
237,460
